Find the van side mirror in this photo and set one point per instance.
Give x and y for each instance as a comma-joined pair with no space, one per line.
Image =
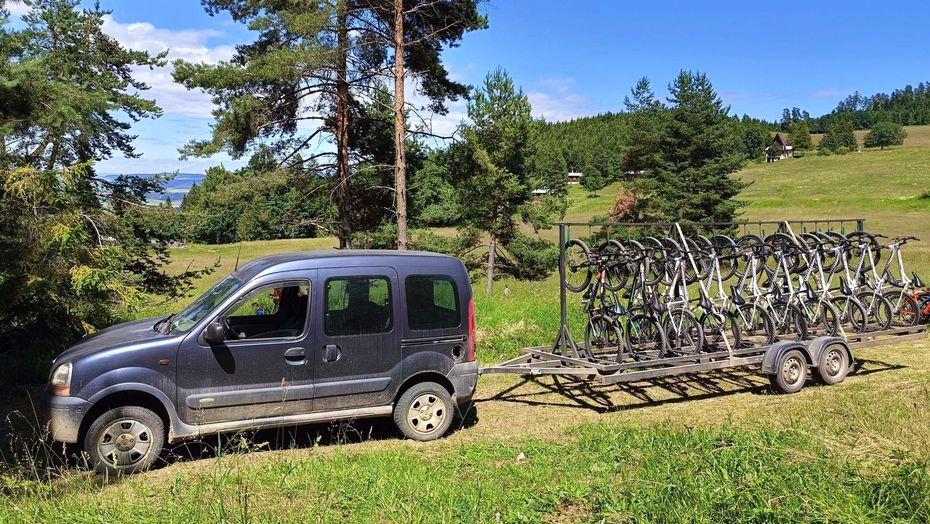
215,332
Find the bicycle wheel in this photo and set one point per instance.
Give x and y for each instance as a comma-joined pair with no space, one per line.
720,329
756,326
784,243
726,249
877,308
789,321
617,273
683,332
701,260
655,251
876,246
603,335
852,314
645,334
904,309
756,245
577,266
827,322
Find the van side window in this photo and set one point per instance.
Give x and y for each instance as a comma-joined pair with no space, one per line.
276,310
432,302
358,306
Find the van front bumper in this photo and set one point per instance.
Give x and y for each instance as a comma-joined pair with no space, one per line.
65,415
464,378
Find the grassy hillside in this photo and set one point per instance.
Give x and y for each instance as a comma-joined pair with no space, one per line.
714,447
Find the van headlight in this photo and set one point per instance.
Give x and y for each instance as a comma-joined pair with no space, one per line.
60,384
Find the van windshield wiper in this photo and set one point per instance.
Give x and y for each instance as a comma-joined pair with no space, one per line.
162,322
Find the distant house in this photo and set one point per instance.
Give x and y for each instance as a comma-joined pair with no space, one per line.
540,193
778,149
574,177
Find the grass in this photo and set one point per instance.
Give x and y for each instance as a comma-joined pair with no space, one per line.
714,447
600,471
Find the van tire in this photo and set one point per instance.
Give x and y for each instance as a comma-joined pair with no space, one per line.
135,432
424,412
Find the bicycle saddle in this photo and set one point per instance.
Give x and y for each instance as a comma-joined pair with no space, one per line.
737,296
917,281
893,281
705,302
844,287
777,295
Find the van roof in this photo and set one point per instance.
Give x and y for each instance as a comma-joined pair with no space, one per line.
333,257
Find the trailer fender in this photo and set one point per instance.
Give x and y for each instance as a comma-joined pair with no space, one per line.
775,351
819,345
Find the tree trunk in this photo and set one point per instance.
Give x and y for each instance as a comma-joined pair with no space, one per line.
400,154
492,251
344,227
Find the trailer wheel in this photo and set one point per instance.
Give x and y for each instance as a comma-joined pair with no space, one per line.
790,373
833,365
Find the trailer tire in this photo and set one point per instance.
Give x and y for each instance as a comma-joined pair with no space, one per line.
833,365
790,372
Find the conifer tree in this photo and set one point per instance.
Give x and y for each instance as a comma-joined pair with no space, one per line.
801,136
495,182
699,150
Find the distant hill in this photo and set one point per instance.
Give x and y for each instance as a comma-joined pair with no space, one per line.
176,188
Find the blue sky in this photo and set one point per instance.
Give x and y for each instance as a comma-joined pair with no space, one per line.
576,58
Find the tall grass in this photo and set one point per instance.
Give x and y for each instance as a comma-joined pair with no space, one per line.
599,472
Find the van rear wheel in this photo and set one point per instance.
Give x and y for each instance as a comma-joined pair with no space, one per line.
424,412
125,440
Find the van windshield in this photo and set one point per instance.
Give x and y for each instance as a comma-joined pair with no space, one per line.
207,302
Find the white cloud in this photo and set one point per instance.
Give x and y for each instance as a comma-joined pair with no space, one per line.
560,107
187,44
17,8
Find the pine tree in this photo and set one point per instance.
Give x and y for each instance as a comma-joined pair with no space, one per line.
495,182
701,147
840,136
415,31
756,138
80,251
592,179
643,130
801,136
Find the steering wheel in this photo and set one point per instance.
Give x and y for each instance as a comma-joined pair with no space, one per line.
228,328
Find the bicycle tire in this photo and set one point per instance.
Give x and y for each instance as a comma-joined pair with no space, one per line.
580,267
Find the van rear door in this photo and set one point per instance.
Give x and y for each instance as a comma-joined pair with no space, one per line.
357,338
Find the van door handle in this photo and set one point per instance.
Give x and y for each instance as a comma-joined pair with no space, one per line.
296,355
331,353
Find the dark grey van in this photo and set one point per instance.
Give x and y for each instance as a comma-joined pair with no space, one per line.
287,339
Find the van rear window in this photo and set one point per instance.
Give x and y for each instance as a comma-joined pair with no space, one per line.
432,302
358,306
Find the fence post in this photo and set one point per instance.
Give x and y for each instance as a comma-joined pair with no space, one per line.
563,328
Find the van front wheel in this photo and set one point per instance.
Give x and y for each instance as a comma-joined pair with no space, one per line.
424,412
125,440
